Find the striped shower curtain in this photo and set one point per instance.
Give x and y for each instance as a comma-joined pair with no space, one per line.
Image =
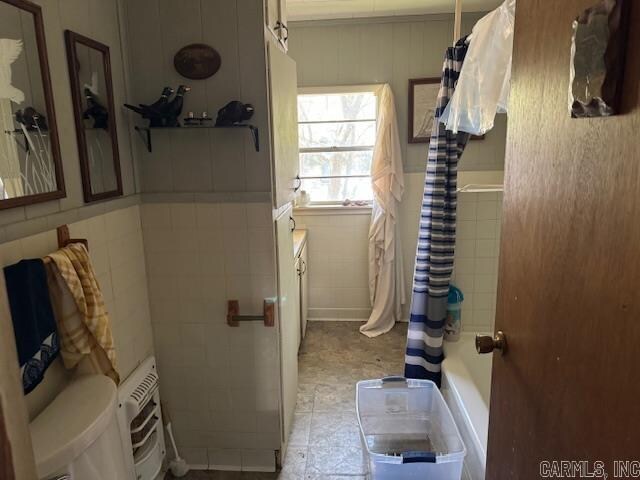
437,235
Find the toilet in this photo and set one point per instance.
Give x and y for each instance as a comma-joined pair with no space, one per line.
77,434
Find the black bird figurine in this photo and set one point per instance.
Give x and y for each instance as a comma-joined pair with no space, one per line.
31,119
96,111
234,113
163,113
154,112
173,109
163,100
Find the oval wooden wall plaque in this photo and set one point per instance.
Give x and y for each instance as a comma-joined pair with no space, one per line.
197,61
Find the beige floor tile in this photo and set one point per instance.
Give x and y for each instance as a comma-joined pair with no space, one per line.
335,398
334,430
300,430
335,460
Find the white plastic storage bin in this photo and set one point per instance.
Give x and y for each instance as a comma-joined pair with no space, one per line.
407,431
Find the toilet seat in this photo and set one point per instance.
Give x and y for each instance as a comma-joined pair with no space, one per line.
72,422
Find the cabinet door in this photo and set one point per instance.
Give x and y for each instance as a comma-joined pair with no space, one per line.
288,321
283,87
304,289
272,16
283,29
299,290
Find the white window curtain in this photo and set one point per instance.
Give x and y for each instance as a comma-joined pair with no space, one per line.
386,278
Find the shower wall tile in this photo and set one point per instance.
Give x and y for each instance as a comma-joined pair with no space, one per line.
476,264
218,382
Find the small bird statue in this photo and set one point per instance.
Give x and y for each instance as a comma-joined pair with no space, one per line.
173,109
163,100
96,111
154,112
233,113
31,119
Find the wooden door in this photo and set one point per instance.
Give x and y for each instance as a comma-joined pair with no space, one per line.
283,88
288,321
569,281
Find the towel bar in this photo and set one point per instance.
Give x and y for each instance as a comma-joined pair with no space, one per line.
65,239
268,317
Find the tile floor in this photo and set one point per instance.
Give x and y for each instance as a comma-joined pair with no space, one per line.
325,443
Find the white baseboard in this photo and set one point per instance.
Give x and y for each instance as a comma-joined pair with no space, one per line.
359,320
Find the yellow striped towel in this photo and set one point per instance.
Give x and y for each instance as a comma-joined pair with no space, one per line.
84,327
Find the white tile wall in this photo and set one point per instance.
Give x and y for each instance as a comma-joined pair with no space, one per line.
338,264
117,254
220,383
477,251
338,256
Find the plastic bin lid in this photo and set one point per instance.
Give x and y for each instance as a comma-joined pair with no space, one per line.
72,422
455,295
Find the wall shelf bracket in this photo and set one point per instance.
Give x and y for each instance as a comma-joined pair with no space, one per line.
145,134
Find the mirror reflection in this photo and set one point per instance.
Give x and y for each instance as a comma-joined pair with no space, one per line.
29,151
95,123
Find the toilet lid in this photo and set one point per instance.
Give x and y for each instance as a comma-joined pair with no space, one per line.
72,422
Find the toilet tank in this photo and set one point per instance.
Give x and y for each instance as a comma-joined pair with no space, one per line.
78,435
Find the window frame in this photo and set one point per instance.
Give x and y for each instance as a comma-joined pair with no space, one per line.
339,90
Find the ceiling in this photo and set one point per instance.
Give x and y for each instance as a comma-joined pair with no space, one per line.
332,9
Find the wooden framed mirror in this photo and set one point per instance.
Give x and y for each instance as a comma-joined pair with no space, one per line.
30,161
94,112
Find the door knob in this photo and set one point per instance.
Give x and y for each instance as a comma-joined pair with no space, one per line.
487,344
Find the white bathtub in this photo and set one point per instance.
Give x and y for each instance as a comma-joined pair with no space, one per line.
466,386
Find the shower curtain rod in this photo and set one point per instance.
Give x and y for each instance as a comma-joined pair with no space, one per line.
457,25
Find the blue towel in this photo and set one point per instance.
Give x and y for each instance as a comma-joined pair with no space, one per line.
33,322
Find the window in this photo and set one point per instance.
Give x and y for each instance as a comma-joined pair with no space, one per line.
337,133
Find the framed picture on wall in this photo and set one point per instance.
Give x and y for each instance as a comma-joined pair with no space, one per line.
423,94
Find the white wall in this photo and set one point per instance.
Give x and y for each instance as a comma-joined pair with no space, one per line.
388,50
97,19
220,383
116,251
30,231
338,256
211,160
393,50
338,263
208,233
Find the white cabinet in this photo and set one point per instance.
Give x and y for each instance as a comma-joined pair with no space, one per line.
276,20
288,321
302,270
283,91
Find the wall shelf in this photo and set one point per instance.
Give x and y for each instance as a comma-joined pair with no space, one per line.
480,181
145,132
480,188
